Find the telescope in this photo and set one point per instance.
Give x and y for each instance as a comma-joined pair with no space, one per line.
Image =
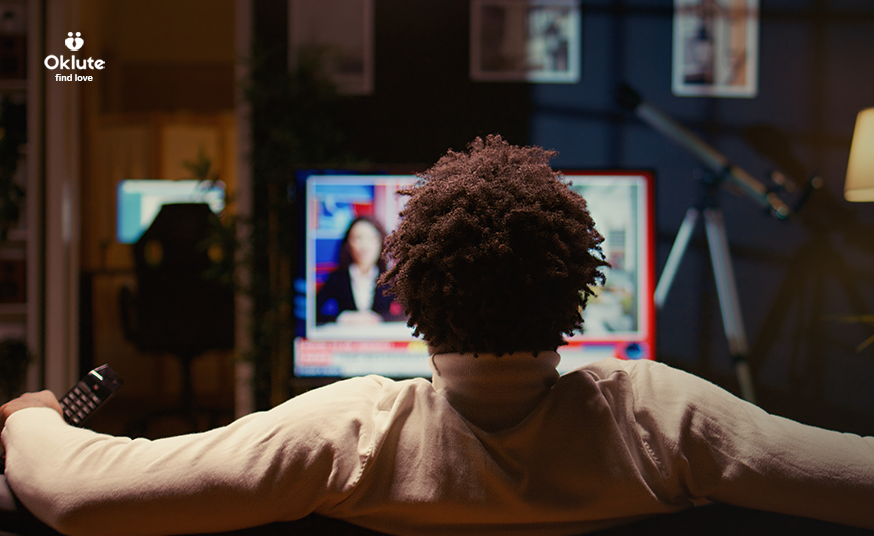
720,164
717,238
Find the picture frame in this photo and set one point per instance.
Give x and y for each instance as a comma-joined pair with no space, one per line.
716,48
525,41
341,32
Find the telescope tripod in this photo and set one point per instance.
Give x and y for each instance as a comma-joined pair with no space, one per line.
722,270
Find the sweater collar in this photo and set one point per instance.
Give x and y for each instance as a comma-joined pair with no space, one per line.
494,393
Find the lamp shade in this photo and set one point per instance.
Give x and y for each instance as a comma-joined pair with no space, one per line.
860,169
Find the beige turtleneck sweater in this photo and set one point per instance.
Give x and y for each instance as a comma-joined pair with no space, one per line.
493,445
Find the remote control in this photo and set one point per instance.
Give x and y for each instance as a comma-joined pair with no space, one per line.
90,393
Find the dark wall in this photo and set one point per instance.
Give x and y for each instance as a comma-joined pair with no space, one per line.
424,102
794,277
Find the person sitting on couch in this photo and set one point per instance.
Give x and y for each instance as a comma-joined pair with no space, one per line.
493,260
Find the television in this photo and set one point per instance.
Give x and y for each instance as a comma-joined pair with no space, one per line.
139,201
618,321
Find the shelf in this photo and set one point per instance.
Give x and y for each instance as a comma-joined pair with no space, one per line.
12,85
12,330
13,316
13,309
17,235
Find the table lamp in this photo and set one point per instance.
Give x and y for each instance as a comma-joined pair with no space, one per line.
859,185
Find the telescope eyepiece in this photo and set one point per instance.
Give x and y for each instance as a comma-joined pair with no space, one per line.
627,97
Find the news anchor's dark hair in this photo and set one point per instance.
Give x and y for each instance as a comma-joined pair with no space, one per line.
494,252
345,260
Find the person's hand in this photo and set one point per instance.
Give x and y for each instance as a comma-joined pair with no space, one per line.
42,399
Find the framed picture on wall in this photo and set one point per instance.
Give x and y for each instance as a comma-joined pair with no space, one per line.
716,48
525,40
340,34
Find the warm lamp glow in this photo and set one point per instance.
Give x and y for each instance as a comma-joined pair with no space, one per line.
860,170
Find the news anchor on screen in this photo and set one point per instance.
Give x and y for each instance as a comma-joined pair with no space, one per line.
351,295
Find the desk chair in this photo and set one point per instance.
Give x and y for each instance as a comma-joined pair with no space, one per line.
175,308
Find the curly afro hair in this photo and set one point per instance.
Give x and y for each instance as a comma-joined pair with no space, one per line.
494,252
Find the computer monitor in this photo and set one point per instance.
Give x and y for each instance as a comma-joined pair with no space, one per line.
139,201
618,322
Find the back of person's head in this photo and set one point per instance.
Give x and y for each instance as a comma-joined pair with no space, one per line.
494,252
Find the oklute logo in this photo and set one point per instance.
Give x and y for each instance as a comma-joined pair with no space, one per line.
73,42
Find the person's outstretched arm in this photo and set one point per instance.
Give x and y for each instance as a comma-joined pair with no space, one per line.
714,446
271,466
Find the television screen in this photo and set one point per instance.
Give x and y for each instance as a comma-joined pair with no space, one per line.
619,320
336,339
139,201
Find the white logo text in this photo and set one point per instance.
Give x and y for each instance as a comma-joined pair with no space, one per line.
53,62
